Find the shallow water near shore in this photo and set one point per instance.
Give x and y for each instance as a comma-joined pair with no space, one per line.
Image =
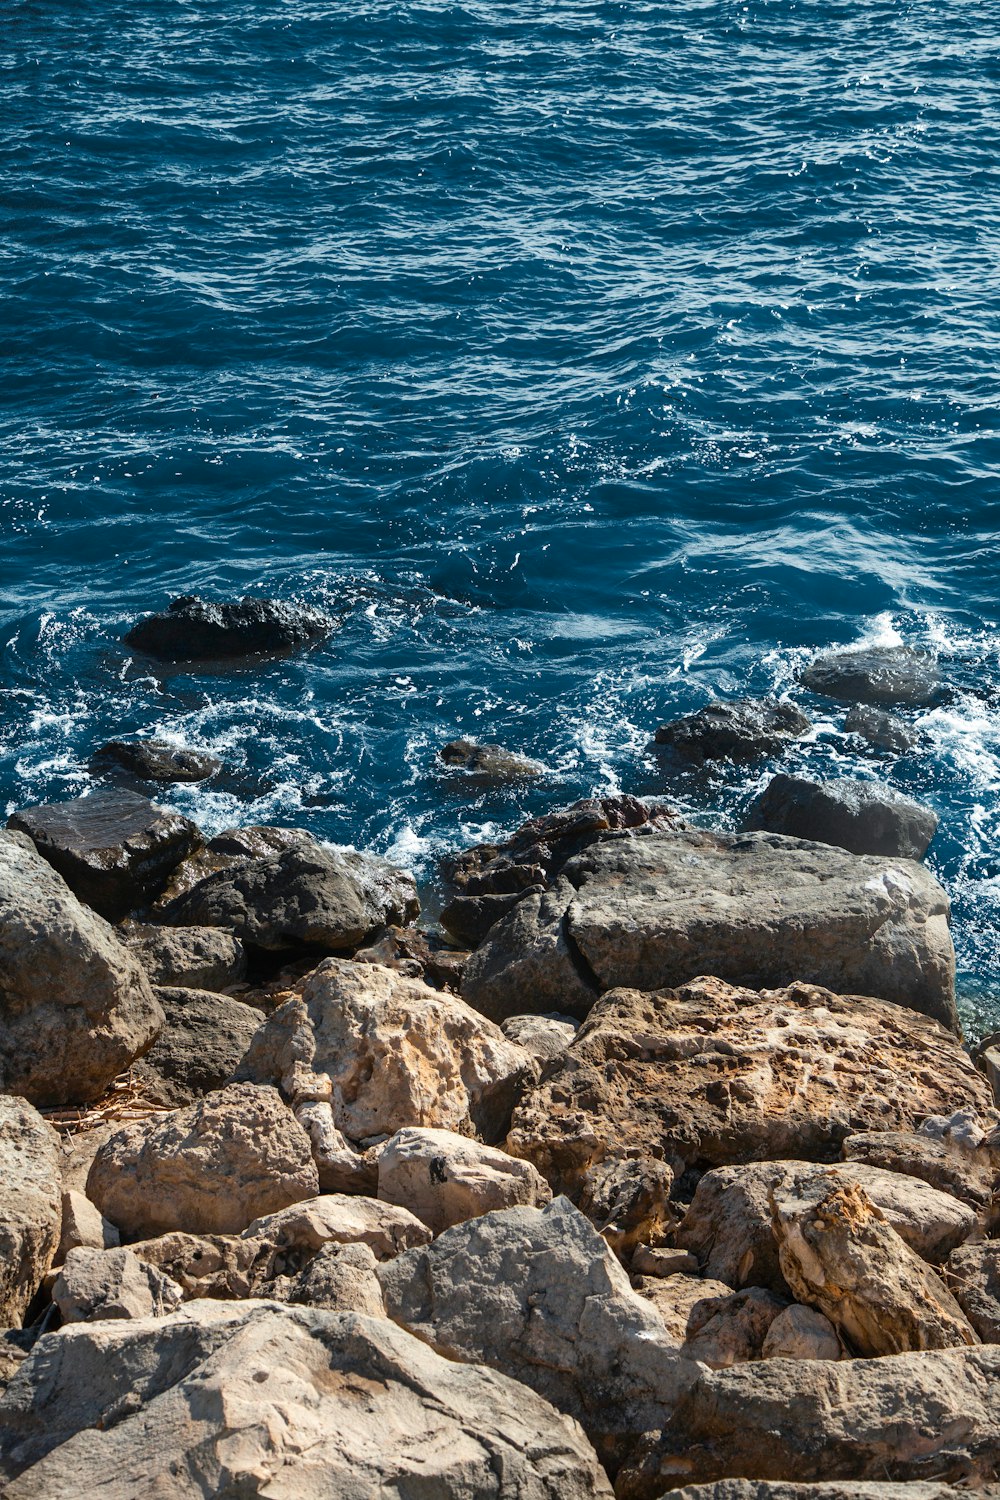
586,361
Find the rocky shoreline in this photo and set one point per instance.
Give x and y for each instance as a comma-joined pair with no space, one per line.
657,1167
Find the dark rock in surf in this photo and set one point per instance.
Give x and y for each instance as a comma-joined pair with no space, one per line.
744,729
860,816
153,760
487,764
876,675
192,629
882,730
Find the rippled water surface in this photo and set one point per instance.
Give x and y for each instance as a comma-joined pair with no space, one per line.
588,360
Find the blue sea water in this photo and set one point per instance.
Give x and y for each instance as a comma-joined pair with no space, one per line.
588,359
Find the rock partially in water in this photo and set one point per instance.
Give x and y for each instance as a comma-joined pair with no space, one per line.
863,817
197,958
153,760
203,1039
876,675
30,1205
488,764
884,731
741,730
115,849
193,629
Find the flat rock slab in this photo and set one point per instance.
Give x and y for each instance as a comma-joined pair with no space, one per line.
754,908
710,1075
192,629
259,1399
115,849
743,729
876,675
153,760
860,816
30,1205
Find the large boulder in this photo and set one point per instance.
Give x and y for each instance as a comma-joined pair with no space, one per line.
203,1039
30,1205
75,1006
210,1168
876,675
115,849
537,1294
860,816
263,1400
193,629
742,729
754,908
306,897
197,958
709,1075
153,760
445,1178
389,1052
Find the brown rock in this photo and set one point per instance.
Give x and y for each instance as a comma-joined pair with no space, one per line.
99,1284
947,1160
675,1296
83,1227
731,1329
445,1178
974,1281
30,1205
801,1333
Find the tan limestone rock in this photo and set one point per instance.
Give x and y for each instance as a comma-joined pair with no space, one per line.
30,1205
445,1178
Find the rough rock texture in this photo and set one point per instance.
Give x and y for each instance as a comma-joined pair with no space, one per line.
838,1253
768,1489
674,1298
418,954
544,1037
490,879
30,1205
115,849
83,1227
390,1052
197,958
754,908
877,675
728,1224
311,897
863,817
153,760
918,1416
881,730
488,764
445,1178
648,1261
190,628
974,1281
210,1168
264,1400
708,1075
970,1174
98,1284
731,1329
801,1333
257,841
343,1278
538,1294
744,729
203,1039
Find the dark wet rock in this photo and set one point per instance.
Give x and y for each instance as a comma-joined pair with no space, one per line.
308,897
153,760
744,729
754,908
417,954
115,849
882,730
258,841
203,1039
191,628
490,879
200,958
863,817
76,1008
488,764
876,675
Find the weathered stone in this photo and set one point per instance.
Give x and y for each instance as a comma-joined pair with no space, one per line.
743,729
754,908
210,1168
211,1265
257,841
445,1178
342,1168
801,1333
709,1075
662,1262
75,1007
343,1278
488,764
877,675
544,1037
77,1152
974,1281
863,817
731,1329
675,1296
30,1205
193,629
203,1039
882,730
308,897
197,958
970,1174
418,955
288,1239
397,1053
153,760
83,1227
114,849
538,1294
260,1399
838,1253
771,1489
97,1284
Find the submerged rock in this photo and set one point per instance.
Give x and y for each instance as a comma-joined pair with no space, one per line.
877,675
153,760
192,629
861,816
30,1205
743,729
884,731
488,764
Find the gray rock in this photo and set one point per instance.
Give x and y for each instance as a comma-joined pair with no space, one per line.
732,1329
488,764
258,1399
754,908
343,1278
969,1173
445,1178
876,675
75,1006
882,730
30,1205
648,1261
801,1333
544,1037
861,816
99,1284
83,1227
770,1489
203,1039
197,958
742,729
974,1281
114,849
153,760
193,629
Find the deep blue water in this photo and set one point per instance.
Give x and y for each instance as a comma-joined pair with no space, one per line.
592,359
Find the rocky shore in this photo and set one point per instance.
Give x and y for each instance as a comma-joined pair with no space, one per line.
657,1167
